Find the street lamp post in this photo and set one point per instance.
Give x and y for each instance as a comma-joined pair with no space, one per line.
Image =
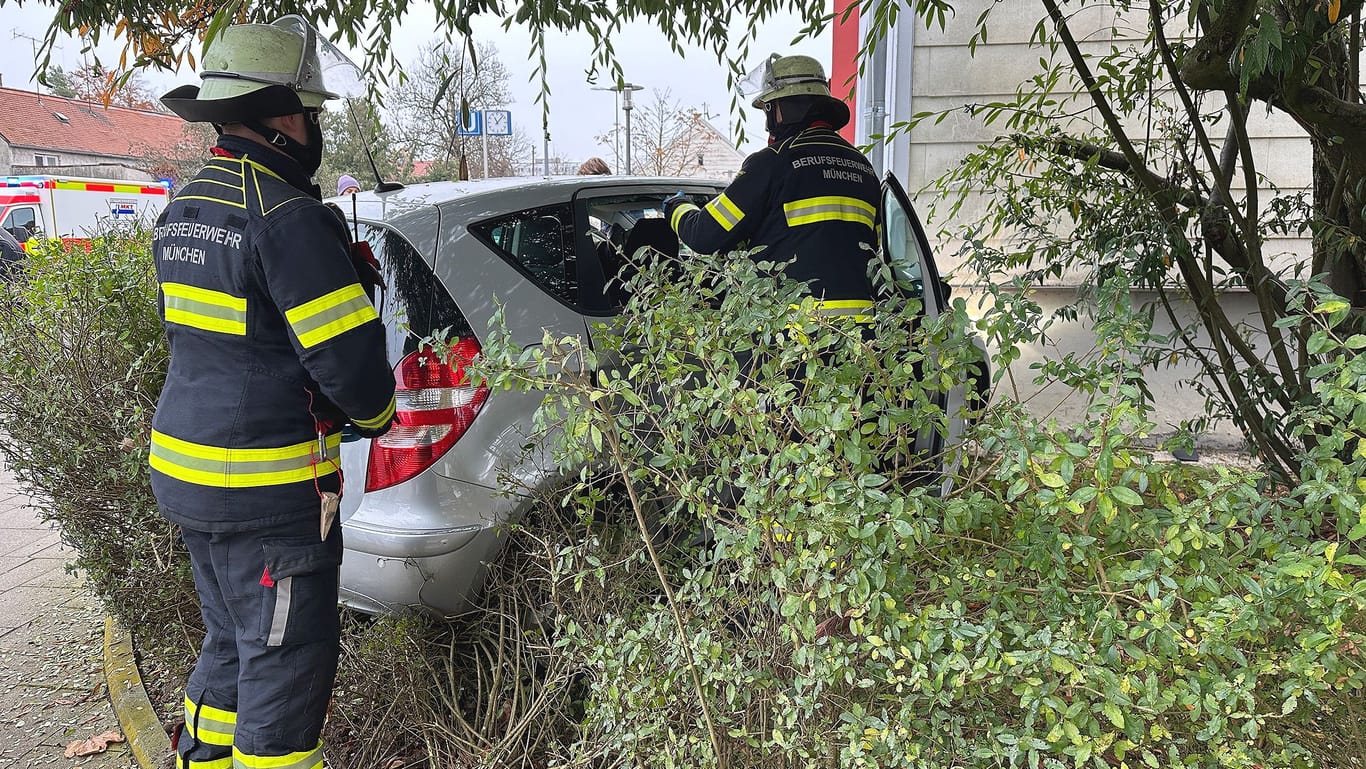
621,101
626,105
616,120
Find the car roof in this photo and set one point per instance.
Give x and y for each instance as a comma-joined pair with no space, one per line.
385,206
414,209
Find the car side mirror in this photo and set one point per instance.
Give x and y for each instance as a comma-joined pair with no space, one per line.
945,290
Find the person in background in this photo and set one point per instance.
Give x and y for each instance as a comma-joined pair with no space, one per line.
594,167
347,185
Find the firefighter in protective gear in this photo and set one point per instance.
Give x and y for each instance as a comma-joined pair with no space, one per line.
274,347
809,198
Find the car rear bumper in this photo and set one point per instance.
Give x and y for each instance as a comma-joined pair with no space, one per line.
423,546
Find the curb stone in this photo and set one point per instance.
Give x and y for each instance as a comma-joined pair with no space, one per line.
147,740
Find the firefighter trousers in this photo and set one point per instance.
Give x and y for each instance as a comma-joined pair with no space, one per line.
260,689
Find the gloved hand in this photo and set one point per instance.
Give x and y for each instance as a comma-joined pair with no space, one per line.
367,268
675,199
376,432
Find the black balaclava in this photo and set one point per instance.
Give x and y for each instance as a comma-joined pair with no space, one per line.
309,157
799,112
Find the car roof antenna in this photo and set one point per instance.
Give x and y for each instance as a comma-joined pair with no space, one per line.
380,184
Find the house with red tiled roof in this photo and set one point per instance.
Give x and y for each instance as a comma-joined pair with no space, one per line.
46,134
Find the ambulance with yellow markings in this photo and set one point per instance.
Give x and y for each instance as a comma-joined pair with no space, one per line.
76,208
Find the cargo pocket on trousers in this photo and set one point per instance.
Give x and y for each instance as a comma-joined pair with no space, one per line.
301,590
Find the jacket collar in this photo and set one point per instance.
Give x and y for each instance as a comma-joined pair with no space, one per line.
282,166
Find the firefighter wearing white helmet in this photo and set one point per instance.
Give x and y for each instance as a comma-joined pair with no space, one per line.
810,198
274,348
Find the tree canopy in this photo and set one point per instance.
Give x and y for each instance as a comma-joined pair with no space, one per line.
169,33
1179,207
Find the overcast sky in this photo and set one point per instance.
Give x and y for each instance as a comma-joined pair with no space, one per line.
577,113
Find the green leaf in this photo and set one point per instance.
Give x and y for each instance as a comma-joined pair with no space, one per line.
1052,480
1112,712
1331,306
1126,495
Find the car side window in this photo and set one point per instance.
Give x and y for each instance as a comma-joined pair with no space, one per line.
21,217
539,241
905,252
612,230
412,304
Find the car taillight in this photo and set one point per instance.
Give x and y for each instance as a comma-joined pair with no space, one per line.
436,404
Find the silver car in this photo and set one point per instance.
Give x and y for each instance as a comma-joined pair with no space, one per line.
425,504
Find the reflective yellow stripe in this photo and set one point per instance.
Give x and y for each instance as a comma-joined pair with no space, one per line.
331,315
828,208
844,304
229,165
247,159
725,212
308,759
678,214
209,711
843,308
381,420
854,309
232,167
233,203
256,180
218,763
239,468
210,725
205,309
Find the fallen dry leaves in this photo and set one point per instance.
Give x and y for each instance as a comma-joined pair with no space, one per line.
92,745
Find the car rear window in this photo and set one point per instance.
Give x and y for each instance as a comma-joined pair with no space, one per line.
540,242
413,304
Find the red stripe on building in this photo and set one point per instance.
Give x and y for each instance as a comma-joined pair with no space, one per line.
844,61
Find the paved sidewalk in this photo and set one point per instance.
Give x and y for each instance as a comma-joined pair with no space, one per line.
52,687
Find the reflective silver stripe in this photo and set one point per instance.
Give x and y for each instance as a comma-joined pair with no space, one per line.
725,212
829,208
304,759
280,619
679,213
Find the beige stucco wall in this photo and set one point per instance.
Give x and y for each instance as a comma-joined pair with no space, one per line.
946,76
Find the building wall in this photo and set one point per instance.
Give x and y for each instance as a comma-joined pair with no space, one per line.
15,160
1173,399
720,159
945,76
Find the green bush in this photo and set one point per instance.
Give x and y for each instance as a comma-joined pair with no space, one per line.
82,363
1070,603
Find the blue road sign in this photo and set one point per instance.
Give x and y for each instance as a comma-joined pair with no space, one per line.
474,126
